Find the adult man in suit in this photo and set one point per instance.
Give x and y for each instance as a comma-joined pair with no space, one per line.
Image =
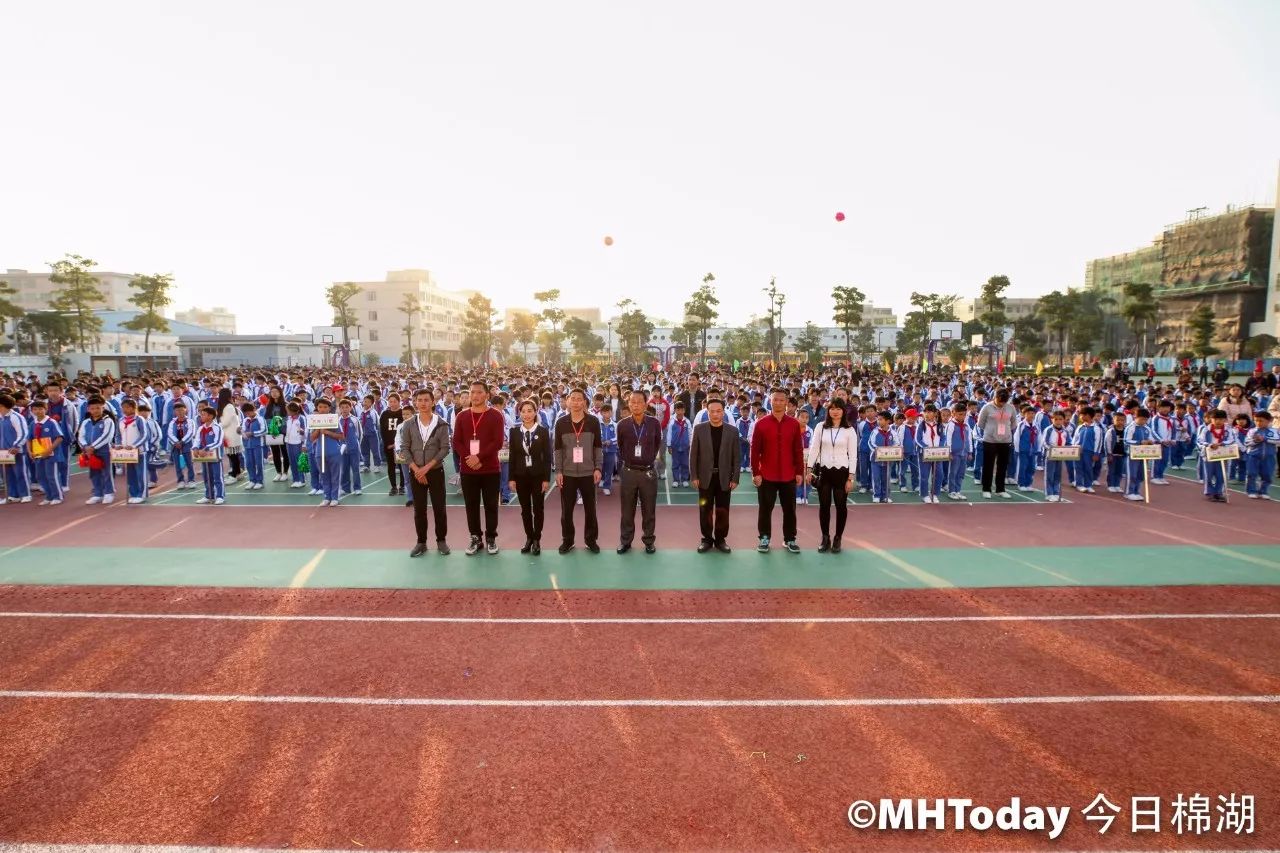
639,439
424,443
714,455
694,398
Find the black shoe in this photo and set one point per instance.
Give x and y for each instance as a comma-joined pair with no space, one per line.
392,493
474,547
537,548
528,546
622,549
723,547
418,550
566,547
408,503
649,549
704,546
792,547
593,547
442,547
825,546
835,545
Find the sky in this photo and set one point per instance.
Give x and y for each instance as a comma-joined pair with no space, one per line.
259,151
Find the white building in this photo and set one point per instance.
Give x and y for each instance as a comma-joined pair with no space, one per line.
35,290
833,340
379,322
217,319
968,310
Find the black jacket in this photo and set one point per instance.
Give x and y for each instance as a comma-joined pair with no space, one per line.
389,422
539,451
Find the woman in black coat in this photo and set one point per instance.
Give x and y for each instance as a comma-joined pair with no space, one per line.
530,472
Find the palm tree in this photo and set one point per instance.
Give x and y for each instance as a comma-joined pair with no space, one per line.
410,306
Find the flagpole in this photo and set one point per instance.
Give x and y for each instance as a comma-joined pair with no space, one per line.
1146,485
1226,485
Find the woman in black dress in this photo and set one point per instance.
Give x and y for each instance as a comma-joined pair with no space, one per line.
530,472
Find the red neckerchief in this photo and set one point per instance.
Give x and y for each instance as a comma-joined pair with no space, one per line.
1217,434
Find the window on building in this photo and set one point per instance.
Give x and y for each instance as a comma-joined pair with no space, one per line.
372,295
373,316
373,334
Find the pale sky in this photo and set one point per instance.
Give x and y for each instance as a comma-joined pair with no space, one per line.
261,150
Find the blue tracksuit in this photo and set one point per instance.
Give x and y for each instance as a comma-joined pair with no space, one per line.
865,428
1260,458
880,470
609,443
1237,468
1026,447
909,469
960,440
370,444
295,438
68,419
1054,437
253,429
134,433
13,437
678,438
349,426
806,437
931,473
209,437
47,474
327,464
975,446
181,435
1117,460
95,438
744,433
1136,433
1214,481
1089,438
1165,430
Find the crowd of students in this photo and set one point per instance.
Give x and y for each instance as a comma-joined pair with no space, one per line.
871,432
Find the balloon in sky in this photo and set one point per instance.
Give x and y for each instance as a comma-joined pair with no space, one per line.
608,241
840,216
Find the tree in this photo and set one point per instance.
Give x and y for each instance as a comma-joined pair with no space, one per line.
1139,310
56,331
956,353
410,306
929,308
339,297
152,295
503,341
742,344
78,295
864,341
1089,319
554,315
470,347
9,310
1258,346
1027,333
1201,324
524,326
477,324
700,311
634,329
586,343
850,303
775,334
993,317
809,343
1057,310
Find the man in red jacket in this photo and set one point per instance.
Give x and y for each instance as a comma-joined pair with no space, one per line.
477,439
777,467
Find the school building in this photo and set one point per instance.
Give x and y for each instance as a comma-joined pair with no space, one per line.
380,323
217,319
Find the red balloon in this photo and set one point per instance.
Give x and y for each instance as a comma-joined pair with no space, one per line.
839,217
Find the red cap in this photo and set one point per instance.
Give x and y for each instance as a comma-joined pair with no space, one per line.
912,413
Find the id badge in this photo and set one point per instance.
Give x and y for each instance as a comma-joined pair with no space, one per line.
1001,428
637,453
475,447
528,461
577,455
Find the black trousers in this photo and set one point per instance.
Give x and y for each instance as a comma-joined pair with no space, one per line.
395,473
236,460
279,458
532,502
995,458
832,488
785,494
475,487
713,510
433,488
574,486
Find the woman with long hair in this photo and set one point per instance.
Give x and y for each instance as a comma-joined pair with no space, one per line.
229,420
832,461
277,406
530,472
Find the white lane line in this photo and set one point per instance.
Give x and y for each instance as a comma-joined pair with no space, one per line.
441,702
744,620
36,847
304,573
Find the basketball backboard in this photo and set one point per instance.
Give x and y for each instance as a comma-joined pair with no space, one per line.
945,330
326,335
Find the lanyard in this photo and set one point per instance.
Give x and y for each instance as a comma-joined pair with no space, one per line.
639,432
834,437
577,430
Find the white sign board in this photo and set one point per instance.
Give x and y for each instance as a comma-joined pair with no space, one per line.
326,421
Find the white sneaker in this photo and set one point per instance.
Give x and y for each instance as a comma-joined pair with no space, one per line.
202,500
315,492
106,499
1005,495
1161,482
218,501
277,478
607,492
579,500
134,500
324,503
986,494
1133,497
55,502
358,492
44,502
36,487
295,485
1090,491
250,486
1081,489
956,496
1025,489
333,503
1252,497
453,481
1113,489
1053,499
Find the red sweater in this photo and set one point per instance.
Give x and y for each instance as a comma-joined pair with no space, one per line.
777,449
490,428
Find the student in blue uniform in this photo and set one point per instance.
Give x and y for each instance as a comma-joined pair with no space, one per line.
880,480
959,440
1237,468
1088,437
295,439
1137,432
806,439
1114,448
208,437
133,433
181,436
929,434
1165,431
609,443
153,463
328,449
48,433
1026,448
370,443
909,469
13,440
1260,456
349,426
253,429
745,422
1056,435
1215,434
97,432
679,435
67,415
866,426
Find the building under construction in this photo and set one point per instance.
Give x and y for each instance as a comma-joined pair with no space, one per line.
1221,260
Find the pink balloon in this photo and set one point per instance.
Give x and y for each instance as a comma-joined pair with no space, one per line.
839,217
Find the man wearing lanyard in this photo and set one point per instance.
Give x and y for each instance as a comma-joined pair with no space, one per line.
424,443
579,459
638,440
477,439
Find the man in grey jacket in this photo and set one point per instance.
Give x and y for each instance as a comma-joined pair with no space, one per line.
995,428
423,441
579,461
714,458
